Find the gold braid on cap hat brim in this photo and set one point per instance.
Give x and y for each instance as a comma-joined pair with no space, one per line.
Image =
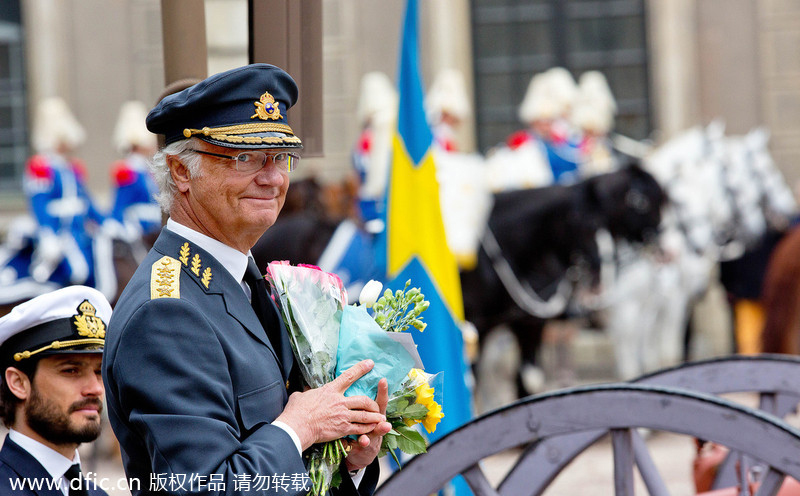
231,133
57,345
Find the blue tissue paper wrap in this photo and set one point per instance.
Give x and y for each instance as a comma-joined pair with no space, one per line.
360,338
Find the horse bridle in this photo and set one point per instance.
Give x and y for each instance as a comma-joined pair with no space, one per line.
521,292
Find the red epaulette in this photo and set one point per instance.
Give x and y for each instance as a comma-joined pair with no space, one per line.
448,145
365,142
518,139
558,138
586,145
79,168
38,168
122,174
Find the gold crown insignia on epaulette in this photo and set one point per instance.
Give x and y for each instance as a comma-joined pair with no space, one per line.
165,278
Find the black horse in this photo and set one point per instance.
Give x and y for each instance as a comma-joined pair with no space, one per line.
547,238
543,235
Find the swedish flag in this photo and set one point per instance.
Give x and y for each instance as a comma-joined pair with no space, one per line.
416,247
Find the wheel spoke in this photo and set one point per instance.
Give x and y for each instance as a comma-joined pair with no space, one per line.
622,444
543,461
478,482
650,475
770,483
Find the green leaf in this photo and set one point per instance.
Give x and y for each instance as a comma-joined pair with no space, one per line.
336,479
394,408
415,411
390,441
410,441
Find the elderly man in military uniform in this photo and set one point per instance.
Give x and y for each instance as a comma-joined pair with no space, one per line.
198,360
51,391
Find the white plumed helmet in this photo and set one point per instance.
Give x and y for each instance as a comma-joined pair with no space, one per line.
595,106
448,93
378,99
131,129
55,125
550,95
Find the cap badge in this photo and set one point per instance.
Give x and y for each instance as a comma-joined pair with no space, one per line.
87,323
267,108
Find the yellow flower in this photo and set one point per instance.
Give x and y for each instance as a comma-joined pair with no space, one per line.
416,375
411,422
424,394
433,417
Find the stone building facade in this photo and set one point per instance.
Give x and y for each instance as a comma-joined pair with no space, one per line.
736,60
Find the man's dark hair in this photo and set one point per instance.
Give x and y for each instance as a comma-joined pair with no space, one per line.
8,401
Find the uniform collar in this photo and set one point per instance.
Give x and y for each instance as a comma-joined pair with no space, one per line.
232,259
54,462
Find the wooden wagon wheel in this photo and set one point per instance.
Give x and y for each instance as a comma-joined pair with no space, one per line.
776,378
617,409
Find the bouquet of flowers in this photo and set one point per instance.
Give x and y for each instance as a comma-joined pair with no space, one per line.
311,303
414,401
328,336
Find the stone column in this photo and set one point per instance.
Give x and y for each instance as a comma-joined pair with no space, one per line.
674,65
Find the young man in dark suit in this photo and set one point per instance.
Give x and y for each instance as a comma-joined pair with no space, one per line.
51,393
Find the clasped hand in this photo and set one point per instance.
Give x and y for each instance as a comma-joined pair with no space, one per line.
325,414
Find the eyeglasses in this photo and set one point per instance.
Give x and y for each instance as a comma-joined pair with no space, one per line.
254,161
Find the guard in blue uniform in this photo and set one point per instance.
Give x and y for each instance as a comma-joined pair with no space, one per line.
198,359
51,392
135,206
377,113
55,185
546,109
593,118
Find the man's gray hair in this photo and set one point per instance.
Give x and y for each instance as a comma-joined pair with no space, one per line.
161,173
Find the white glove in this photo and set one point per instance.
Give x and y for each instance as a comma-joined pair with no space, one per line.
112,228
48,248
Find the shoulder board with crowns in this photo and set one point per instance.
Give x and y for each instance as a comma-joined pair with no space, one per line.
165,273
165,278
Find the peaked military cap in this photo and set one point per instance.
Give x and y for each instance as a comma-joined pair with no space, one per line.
244,107
68,320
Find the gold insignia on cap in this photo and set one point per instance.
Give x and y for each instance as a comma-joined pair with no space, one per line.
165,281
196,264
267,108
184,256
206,277
88,323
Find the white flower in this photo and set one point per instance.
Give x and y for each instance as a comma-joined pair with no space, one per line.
370,293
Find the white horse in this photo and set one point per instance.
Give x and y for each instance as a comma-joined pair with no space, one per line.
724,192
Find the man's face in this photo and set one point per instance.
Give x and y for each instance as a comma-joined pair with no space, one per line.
232,205
66,398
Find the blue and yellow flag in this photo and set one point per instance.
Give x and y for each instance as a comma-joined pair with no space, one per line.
416,247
